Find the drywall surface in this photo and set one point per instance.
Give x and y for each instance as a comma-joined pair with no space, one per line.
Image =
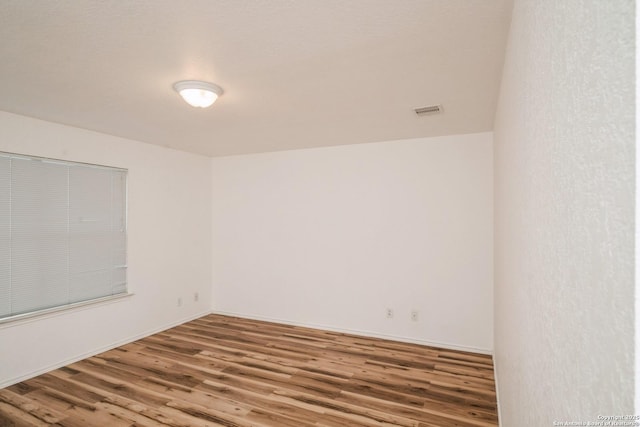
564,214
332,237
637,233
169,247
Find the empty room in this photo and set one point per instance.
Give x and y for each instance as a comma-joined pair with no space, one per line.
415,213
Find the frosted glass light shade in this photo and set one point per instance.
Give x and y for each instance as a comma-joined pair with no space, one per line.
197,93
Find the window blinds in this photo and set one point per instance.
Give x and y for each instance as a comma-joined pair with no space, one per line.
62,233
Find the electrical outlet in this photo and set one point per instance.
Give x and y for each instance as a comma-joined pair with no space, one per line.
389,313
196,297
414,315
179,302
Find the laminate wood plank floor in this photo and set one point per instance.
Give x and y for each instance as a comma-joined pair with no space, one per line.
233,372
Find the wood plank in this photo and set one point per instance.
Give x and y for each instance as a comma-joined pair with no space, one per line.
228,371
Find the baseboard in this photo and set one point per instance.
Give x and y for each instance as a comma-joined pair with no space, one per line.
74,359
495,381
371,334
364,333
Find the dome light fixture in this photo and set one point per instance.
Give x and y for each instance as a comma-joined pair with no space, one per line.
197,93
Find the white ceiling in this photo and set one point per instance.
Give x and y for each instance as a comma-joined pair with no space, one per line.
296,73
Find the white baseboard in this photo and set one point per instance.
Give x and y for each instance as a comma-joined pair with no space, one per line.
136,337
495,380
11,381
371,334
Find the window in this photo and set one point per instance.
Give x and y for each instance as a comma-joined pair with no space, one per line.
62,233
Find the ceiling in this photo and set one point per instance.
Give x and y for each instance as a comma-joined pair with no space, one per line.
296,73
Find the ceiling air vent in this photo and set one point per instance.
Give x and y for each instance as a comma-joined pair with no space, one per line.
431,109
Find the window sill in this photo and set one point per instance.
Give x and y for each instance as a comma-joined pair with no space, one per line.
33,316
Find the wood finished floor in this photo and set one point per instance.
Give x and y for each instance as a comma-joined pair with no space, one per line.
225,371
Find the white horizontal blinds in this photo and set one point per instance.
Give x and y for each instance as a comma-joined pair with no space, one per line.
5,237
39,244
89,233
97,252
118,232
62,233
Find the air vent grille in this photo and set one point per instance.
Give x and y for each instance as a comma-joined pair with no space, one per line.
431,109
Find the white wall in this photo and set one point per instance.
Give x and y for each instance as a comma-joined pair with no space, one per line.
169,247
564,203
637,229
331,237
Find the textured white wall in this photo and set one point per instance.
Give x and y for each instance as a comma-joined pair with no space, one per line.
169,247
564,213
637,234
331,237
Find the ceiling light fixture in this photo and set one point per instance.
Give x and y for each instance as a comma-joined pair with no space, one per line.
197,93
